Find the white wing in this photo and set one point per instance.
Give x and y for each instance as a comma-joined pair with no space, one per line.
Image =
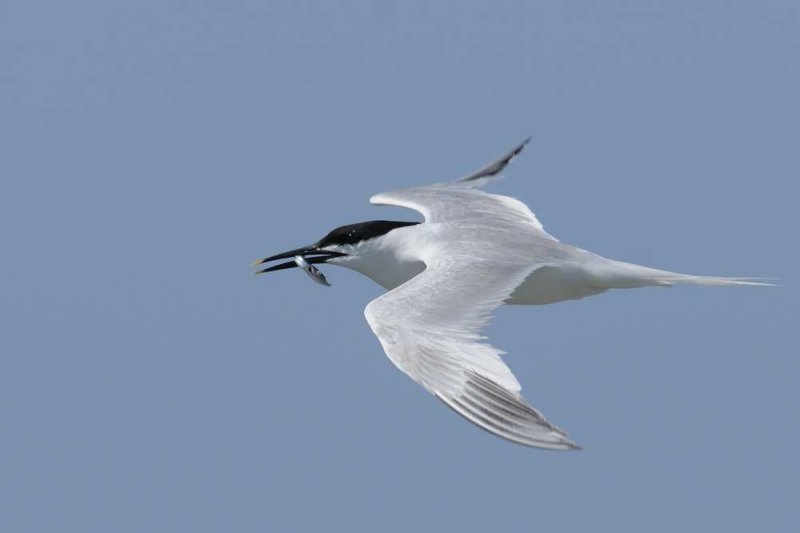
477,249
461,200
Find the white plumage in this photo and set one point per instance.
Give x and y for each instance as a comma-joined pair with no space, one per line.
474,252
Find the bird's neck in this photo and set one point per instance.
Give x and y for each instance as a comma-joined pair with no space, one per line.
385,260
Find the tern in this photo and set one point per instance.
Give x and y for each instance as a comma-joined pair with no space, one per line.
474,252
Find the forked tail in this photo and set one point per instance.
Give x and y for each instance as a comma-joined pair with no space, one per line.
620,275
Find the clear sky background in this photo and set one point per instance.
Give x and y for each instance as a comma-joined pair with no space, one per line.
152,149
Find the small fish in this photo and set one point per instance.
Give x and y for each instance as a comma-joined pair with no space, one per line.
312,271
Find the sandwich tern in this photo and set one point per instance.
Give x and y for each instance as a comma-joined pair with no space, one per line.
474,252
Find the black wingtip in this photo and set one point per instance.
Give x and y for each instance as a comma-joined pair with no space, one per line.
520,148
496,167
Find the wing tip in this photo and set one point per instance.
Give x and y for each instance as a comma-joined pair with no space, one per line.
506,414
496,167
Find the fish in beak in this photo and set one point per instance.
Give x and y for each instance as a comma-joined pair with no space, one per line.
304,258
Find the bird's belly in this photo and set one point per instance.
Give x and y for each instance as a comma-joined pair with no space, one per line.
551,284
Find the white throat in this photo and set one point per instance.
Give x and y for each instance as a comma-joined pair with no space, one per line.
384,259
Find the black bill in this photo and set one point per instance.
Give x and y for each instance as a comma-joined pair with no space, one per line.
311,254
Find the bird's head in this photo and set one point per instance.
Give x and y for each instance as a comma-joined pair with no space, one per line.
349,246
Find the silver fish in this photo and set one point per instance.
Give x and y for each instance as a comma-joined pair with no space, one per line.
312,271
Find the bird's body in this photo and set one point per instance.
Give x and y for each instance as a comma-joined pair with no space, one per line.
474,252
570,274
562,271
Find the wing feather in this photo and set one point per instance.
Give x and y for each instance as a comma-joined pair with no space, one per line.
430,329
496,167
477,248
462,200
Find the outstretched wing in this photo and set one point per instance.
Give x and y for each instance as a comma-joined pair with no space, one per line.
477,248
430,326
462,200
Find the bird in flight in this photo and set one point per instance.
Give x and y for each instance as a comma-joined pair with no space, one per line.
474,252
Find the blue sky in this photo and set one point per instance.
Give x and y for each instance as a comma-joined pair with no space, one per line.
152,150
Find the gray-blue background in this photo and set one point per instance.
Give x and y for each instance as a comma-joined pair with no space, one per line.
152,149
